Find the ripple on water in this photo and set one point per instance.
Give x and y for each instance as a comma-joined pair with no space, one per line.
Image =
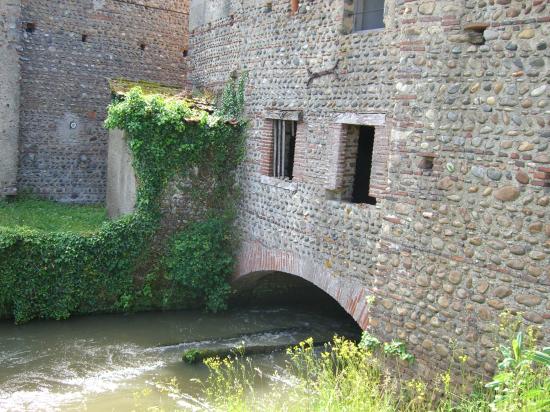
37,401
98,363
72,381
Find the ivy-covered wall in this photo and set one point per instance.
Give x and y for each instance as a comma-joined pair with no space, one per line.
136,263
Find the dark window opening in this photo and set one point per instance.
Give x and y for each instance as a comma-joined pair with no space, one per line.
30,27
284,146
363,166
142,46
369,15
426,163
185,53
84,38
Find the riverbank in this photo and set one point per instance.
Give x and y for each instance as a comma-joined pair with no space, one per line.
351,377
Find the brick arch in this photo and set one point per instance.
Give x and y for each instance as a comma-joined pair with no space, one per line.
350,294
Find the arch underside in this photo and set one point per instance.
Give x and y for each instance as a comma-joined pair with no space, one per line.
254,259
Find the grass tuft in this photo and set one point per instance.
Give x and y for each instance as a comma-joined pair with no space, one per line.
49,216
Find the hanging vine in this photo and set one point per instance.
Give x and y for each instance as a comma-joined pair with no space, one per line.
50,275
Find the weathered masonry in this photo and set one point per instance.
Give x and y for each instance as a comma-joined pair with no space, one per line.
397,157
440,109
67,51
9,95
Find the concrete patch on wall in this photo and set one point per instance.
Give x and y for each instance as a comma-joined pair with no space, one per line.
68,128
9,95
121,180
204,11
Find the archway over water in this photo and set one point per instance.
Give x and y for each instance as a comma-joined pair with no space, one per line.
256,262
300,299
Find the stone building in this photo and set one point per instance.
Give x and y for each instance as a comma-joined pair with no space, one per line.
398,157
66,52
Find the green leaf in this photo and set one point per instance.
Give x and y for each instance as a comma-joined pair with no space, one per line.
541,357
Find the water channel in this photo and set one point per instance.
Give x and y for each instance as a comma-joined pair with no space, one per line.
108,362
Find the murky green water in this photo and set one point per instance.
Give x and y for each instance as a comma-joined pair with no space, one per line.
104,363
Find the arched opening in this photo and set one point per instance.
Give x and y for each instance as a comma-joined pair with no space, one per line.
299,297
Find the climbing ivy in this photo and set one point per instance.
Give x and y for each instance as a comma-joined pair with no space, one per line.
52,275
135,262
201,257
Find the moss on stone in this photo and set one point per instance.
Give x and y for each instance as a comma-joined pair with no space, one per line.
195,355
123,86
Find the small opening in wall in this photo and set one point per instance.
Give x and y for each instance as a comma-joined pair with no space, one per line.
268,7
426,163
30,27
185,53
142,46
363,166
84,38
475,33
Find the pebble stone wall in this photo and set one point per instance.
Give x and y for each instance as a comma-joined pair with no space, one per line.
462,85
76,46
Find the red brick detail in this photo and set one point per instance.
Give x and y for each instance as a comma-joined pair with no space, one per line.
349,293
379,181
336,146
336,167
266,147
300,153
393,219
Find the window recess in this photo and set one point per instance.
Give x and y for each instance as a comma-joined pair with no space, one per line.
284,145
368,15
363,166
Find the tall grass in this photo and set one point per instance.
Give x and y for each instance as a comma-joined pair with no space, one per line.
345,376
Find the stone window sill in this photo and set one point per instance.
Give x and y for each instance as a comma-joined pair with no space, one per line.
368,31
279,183
338,202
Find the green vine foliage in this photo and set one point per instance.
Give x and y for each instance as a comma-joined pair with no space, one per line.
201,258
54,275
